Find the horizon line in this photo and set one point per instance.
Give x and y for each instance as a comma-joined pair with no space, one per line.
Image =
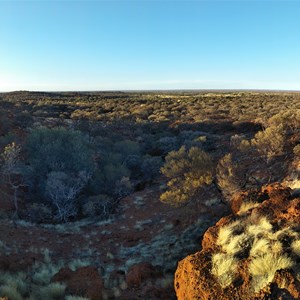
153,90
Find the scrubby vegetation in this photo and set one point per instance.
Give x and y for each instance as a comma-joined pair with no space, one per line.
67,157
82,152
188,171
36,283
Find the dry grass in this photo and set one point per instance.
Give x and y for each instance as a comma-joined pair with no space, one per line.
294,184
75,298
13,286
52,291
260,247
266,250
263,268
236,244
78,263
43,273
226,232
246,206
296,247
288,232
36,283
224,268
259,227
276,247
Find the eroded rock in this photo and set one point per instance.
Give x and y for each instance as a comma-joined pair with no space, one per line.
249,255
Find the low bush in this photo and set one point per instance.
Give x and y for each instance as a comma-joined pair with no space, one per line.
187,171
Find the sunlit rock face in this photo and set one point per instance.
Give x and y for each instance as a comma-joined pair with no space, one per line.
252,254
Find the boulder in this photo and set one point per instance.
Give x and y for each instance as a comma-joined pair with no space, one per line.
84,282
140,273
268,230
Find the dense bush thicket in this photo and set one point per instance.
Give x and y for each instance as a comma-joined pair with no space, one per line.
141,108
255,161
73,155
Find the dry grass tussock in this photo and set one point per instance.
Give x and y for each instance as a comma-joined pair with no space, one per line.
246,206
35,284
255,238
226,232
263,268
296,247
224,268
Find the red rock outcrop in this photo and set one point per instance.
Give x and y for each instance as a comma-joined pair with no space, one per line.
85,282
194,278
139,273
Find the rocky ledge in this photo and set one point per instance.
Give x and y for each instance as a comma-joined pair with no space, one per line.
253,253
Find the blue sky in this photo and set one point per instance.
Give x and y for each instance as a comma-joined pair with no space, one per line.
117,45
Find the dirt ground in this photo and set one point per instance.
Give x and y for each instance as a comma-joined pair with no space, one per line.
144,231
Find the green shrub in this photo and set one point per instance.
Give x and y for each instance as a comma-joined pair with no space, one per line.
58,149
270,142
61,162
289,119
230,178
187,171
296,150
39,212
151,166
24,119
100,205
11,292
69,297
52,291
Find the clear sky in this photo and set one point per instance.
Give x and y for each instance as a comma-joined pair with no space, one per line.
117,45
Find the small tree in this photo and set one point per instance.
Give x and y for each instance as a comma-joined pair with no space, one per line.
101,205
150,167
187,170
230,177
289,119
57,150
62,190
256,157
269,142
123,187
11,170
